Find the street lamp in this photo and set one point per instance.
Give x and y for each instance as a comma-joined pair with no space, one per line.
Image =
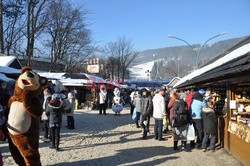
197,54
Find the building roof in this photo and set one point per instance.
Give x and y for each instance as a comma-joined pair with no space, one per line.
235,62
173,81
77,79
9,70
4,78
10,61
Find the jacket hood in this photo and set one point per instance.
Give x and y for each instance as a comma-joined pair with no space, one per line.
207,110
103,91
138,96
55,104
47,95
157,95
197,96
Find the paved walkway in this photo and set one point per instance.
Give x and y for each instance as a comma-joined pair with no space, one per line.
110,140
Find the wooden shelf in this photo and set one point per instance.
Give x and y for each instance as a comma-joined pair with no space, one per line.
243,101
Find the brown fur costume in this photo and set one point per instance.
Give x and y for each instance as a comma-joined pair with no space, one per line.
24,118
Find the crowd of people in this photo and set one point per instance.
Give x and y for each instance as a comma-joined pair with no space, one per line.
181,110
178,109
55,106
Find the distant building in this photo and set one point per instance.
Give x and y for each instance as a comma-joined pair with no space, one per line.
10,61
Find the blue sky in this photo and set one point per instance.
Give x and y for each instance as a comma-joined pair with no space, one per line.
149,22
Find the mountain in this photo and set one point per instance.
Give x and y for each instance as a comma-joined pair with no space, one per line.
183,58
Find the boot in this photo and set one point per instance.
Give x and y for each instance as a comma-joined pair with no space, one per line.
57,145
175,145
53,143
184,145
192,145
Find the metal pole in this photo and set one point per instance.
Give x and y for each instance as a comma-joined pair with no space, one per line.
197,54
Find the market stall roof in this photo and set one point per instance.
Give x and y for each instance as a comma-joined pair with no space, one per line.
75,82
77,79
67,79
173,81
52,76
10,61
9,70
4,78
99,80
95,79
231,62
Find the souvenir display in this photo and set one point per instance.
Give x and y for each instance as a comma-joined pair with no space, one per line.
240,116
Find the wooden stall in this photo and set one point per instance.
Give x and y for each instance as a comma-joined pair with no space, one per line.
230,74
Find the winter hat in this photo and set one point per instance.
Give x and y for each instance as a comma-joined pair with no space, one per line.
182,96
55,96
70,95
202,92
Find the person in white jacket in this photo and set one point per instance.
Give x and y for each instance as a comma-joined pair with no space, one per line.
102,100
159,111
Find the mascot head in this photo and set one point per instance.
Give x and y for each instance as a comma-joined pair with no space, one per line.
117,92
30,80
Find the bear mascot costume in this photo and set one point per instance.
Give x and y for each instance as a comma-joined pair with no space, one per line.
25,110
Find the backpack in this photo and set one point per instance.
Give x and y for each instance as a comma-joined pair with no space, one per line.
181,117
149,110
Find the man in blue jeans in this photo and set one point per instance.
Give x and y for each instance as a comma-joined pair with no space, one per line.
159,111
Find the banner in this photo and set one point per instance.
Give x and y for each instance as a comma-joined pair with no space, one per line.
93,68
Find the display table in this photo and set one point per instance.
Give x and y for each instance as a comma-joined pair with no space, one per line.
240,130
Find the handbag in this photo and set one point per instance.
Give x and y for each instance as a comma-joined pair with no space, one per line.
175,122
134,114
165,121
191,132
44,116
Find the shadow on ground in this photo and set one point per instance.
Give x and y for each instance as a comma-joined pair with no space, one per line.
129,156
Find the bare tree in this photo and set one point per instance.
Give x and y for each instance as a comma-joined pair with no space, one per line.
69,36
36,19
120,56
13,23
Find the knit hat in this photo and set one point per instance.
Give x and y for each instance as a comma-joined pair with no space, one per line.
202,92
70,95
55,96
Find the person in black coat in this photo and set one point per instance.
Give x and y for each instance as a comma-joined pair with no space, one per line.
210,123
180,122
146,112
54,112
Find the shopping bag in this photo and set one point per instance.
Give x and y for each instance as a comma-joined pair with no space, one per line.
165,121
134,114
191,133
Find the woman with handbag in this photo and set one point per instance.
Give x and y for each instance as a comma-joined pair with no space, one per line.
180,122
170,111
69,110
